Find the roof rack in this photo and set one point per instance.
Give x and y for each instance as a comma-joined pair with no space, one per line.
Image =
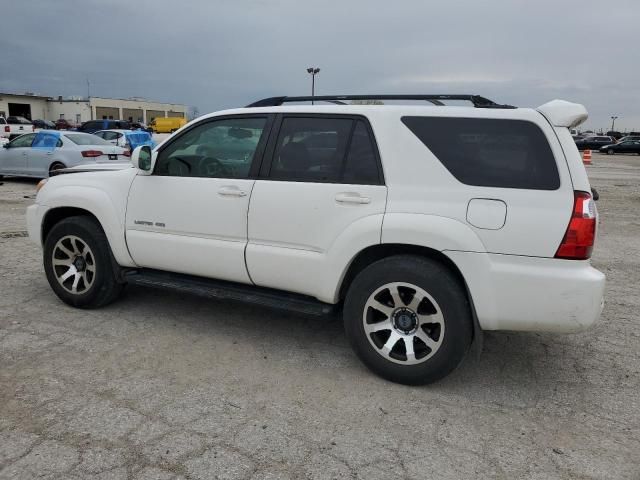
476,100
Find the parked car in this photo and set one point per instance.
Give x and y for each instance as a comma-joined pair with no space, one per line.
63,124
43,124
594,142
40,154
615,134
627,146
129,139
95,125
425,225
141,126
167,125
12,127
629,137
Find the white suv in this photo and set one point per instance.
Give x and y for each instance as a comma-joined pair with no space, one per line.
425,224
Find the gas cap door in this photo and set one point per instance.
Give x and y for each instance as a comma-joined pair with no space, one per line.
487,213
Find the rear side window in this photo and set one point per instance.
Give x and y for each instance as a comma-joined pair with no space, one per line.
329,150
490,152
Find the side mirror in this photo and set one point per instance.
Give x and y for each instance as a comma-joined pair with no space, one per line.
141,158
6,145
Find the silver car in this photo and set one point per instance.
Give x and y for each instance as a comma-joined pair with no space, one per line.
41,153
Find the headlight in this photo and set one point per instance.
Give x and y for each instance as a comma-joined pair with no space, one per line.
41,184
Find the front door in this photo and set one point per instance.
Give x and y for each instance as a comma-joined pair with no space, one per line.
14,157
190,215
320,200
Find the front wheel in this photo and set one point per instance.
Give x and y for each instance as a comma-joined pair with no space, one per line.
408,319
79,265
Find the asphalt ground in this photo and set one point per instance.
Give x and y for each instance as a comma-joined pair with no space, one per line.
161,385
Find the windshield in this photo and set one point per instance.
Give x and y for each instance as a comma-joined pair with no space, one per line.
86,139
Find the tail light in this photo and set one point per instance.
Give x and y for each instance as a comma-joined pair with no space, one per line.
578,241
126,153
7,128
91,153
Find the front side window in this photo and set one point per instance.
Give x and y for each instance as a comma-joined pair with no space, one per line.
489,152
218,149
23,141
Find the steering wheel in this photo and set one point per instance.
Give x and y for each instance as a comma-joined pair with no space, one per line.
213,167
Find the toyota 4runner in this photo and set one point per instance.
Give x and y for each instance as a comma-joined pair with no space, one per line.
425,224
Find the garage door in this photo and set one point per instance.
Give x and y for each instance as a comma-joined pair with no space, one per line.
107,112
151,114
132,114
175,114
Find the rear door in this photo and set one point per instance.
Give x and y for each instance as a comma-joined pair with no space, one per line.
321,179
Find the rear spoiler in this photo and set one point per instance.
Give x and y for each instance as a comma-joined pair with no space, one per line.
561,113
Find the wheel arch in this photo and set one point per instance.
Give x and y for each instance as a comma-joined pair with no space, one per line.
377,252
56,215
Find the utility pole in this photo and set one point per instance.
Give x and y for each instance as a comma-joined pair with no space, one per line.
313,71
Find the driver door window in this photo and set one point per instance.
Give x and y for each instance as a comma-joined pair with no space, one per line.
218,149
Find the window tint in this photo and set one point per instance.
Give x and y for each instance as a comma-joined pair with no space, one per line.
86,139
361,166
311,149
222,149
489,152
23,141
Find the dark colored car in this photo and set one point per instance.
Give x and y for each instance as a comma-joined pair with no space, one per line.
95,125
594,143
627,146
62,124
614,134
141,126
13,120
46,124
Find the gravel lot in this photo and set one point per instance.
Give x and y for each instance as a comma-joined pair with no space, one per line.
162,385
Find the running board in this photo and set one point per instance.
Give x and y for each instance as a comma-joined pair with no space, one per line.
221,290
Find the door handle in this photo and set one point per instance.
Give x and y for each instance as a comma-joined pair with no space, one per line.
352,197
231,192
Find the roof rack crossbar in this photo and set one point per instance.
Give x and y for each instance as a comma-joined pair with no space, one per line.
436,99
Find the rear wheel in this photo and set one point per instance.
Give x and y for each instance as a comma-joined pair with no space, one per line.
79,265
408,319
610,152
55,167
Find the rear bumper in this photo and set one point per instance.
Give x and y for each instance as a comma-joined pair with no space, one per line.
532,294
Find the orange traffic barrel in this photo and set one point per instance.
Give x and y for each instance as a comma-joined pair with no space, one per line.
586,157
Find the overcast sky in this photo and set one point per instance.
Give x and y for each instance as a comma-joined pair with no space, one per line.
223,53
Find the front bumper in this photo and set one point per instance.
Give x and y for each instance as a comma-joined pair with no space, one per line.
511,292
35,214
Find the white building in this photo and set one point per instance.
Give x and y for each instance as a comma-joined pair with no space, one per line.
78,109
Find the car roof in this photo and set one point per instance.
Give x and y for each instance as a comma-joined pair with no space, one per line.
117,130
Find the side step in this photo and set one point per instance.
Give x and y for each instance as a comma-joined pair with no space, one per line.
222,290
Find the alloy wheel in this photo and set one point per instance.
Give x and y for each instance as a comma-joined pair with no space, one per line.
73,264
403,323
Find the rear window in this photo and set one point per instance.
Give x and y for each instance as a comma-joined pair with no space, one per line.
86,139
489,152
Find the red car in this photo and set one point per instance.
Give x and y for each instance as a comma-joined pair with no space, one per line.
63,124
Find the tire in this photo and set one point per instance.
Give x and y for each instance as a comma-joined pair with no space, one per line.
56,166
610,152
94,276
443,315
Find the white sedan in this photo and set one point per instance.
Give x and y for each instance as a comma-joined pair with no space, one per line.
40,154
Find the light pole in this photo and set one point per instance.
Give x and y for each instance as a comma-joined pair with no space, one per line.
613,122
313,71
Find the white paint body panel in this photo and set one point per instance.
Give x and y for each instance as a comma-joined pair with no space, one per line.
195,229
300,236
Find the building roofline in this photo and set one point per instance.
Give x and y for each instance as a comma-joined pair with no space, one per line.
23,95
